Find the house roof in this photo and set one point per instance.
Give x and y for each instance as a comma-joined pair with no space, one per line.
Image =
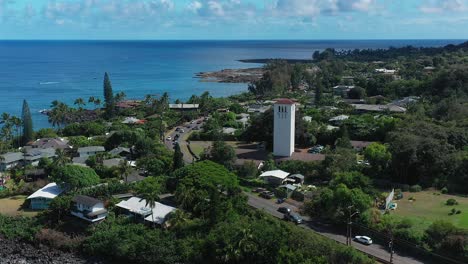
92,149
139,206
56,143
285,101
289,187
130,120
50,191
339,118
276,174
360,144
119,150
379,108
86,200
11,157
35,154
184,106
112,162
79,160
299,176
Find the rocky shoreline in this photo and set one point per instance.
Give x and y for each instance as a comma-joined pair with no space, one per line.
232,75
17,252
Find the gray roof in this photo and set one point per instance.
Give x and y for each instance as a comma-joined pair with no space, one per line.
119,150
36,154
379,108
289,187
92,149
56,143
11,157
80,160
184,106
86,200
299,176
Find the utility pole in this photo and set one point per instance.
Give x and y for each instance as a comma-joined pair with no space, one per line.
349,230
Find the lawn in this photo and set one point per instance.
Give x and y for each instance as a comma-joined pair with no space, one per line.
429,207
11,206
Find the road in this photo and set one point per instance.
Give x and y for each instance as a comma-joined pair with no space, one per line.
375,250
187,127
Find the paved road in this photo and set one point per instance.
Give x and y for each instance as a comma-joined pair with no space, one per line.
378,251
187,127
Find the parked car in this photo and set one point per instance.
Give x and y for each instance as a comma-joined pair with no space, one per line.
316,149
196,128
169,138
280,200
284,210
267,195
177,129
259,190
295,218
363,240
199,122
182,130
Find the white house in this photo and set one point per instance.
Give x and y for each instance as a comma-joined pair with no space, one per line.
284,127
41,198
90,151
138,207
275,177
88,208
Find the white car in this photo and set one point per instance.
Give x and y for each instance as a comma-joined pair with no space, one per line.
169,138
363,239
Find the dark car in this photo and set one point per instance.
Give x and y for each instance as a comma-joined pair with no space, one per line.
199,122
258,190
295,218
280,200
284,210
267,195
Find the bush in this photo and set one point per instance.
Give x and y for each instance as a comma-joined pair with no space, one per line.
451,202
58,240
415,188
444,190
453,211
405,187
458,212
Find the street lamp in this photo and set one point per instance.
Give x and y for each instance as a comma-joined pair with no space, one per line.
349,225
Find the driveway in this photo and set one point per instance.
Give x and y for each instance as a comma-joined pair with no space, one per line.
188,128
378,251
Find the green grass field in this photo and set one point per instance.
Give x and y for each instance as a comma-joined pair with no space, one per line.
428,208
11,206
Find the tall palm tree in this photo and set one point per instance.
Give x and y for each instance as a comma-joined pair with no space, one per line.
17,123
151,198
91,99
178,219
61,158
80,102
120,96
97,102
124,169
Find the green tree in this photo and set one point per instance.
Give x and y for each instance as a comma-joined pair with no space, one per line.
221,153
108,96
124,169
28,131
60,206
61,158
75,177
149,189
178,158
378,156
80,103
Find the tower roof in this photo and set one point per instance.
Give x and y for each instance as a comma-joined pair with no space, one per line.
285,101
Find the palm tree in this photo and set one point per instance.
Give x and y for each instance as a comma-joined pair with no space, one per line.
151,198
80,102
61,158
124,169
177,219
97,102
91,99
120,96
17,123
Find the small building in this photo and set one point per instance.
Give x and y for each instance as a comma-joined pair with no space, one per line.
131,120
138,208
337,120
289,189
184,107
342,90
229,130
88,208
128,104
55,143
385,71
363,108
275,177
307,118
10,160
41,198
296,178
90,151
121,151
109,163
258,108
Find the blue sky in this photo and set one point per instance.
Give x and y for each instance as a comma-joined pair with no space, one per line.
233,19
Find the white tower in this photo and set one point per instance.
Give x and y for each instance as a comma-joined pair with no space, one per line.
284,128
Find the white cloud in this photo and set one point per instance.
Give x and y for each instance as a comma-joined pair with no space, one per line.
314,8
441,6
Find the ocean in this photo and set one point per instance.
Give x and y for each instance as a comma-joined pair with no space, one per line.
43,71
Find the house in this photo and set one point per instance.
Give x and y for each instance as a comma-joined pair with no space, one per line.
275,177
55,143
131,120
244,119
363,108
128,104
385,71
41,198
109,163
342,90
88,208
229,130
289,189
139,208
307,118
338,119
406,101
360,145
10,160
90,151
32,156
121,151
296,178
184,107
258,108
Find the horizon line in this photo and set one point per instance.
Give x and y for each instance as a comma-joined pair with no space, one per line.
240,39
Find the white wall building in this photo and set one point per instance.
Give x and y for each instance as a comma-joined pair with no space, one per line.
88,208
284,128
